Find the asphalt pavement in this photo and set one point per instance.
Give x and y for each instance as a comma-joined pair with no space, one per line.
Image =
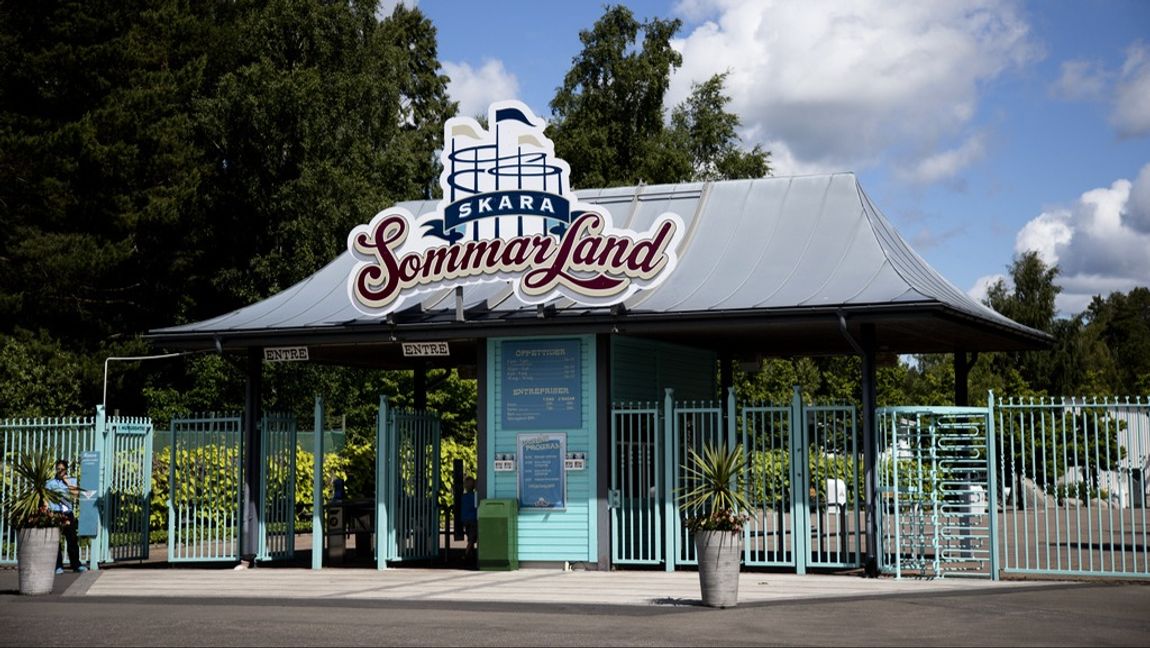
124,606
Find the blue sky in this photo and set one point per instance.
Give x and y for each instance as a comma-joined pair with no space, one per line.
981,128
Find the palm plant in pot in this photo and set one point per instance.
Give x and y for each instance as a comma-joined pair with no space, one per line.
28,510
716,506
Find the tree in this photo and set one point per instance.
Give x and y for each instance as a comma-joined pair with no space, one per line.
609,120
708,132
328,116
608,114
1031,303
1121,324
97,164
163,161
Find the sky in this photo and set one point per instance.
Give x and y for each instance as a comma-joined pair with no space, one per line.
981,128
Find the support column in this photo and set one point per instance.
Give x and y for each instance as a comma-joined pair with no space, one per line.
318,519
420,387
727,380
726,372
483,476
602,456
870,447
252,512
962,366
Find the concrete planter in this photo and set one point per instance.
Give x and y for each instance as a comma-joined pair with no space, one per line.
719,554
36,554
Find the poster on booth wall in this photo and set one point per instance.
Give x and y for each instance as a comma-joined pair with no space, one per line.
542,479
542,385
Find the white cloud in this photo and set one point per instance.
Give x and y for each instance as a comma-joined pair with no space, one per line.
1045,235
476,89
981,285
1101,243
946,164
1131,116
1080,81
846,83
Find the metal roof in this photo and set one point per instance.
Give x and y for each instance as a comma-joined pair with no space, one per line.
783,264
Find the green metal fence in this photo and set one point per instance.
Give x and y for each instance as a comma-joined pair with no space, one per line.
693,424
125,488
127,501
1073,486
767,433
65,437
817,524
407,485
831,481
204,488
205,482
277,483
637,477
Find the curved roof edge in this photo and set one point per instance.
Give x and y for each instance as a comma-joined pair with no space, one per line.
768,247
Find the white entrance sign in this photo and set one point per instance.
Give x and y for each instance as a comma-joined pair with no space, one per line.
507,214
285,354
425,349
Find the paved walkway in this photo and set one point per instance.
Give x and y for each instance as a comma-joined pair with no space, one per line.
628,588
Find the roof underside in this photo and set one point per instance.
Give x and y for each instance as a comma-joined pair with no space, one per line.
775,266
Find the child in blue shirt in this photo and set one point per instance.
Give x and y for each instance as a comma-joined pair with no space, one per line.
469,515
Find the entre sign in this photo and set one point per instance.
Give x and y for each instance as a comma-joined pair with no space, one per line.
425,349
285,354
507,214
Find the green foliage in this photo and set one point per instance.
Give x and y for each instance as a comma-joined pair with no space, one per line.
769,479
769,482
609,121
707,131
1118,343
1031,302
714,495
915,480
1044,445
163,162
38,376
28,498
209,482
449,451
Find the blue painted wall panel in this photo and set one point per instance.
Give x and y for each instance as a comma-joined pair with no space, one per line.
571,534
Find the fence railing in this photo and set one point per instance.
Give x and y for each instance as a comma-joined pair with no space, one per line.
124,446
806,511
1072,477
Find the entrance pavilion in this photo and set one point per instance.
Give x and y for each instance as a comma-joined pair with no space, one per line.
774,267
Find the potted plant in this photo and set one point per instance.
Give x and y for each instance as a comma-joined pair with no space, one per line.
37,527
716,505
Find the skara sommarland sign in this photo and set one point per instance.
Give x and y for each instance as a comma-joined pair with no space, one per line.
507,214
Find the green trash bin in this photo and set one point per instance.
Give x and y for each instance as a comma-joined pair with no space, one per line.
498,535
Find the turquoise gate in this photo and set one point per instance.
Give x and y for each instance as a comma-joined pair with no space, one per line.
125,447
277,484
936,516
205,481
817,524
1073,487
407,485
127,500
